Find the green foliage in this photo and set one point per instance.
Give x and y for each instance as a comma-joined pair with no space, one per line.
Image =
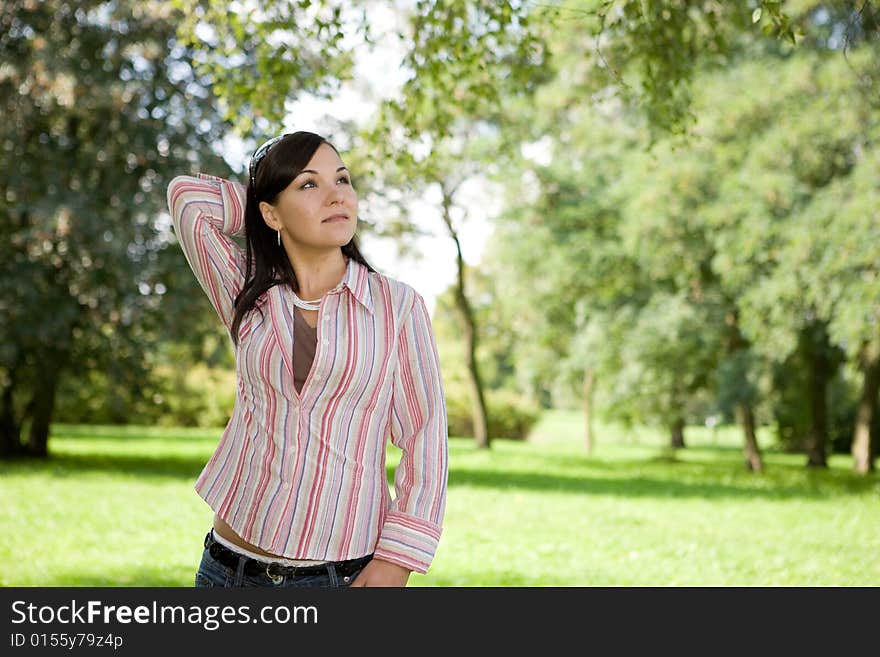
652,53
98,397
843,397
666,353
684,277
508,414
100,110
463,58
197,396
495,349
741,378
257,59
182,386
793,408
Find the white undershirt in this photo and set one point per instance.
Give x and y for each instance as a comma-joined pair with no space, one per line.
263,557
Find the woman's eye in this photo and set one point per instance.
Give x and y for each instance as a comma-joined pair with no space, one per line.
345,180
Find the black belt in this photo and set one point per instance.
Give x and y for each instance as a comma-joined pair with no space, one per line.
253,566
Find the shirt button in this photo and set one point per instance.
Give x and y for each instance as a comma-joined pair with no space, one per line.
326,318
325,342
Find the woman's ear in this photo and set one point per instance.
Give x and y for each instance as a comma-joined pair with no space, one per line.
269,216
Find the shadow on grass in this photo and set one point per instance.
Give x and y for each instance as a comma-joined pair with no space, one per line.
635,478
699,481
73,465
719,460
720,457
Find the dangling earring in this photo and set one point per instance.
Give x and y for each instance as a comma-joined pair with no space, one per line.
279,237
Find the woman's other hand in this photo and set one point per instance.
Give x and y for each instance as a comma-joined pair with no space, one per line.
382,573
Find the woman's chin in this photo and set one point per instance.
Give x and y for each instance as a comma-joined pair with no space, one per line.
341,236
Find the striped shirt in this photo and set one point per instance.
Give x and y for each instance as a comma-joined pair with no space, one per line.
302,475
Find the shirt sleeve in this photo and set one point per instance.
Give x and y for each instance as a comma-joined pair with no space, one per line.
413,524
207,212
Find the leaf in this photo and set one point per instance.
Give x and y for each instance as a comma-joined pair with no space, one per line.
756,15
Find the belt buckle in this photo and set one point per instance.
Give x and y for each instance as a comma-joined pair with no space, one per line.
276,579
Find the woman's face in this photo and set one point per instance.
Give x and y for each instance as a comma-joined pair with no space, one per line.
318,209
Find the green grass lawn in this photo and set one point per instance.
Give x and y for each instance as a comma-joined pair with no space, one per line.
115,506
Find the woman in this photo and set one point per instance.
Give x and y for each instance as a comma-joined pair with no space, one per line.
331,359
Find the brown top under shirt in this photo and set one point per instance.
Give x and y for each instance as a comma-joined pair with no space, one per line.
305,340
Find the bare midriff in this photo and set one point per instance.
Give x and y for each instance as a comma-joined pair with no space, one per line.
227,532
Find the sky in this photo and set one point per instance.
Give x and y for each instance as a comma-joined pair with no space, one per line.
431,267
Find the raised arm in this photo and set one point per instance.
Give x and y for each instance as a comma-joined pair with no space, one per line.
206,212
412,526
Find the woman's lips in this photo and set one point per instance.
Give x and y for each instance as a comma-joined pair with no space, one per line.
335,219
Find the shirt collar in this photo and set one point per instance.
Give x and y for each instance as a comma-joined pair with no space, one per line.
357,281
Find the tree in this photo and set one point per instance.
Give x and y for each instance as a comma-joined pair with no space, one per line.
99,109
770,245
260,57
834,248
701,226
463,59
650,53
556,251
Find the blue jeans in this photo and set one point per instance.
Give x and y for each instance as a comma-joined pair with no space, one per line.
249,572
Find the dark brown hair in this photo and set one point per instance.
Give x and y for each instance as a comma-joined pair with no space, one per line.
267,263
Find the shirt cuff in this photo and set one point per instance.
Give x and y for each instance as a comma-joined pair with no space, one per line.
407,541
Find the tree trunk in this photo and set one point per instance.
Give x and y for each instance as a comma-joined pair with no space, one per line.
746,419
469,330
819,374
478,404
589,381
743,409
677,440
42,404
10,429
863,457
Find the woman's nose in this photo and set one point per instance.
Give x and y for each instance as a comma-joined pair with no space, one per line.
335,196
